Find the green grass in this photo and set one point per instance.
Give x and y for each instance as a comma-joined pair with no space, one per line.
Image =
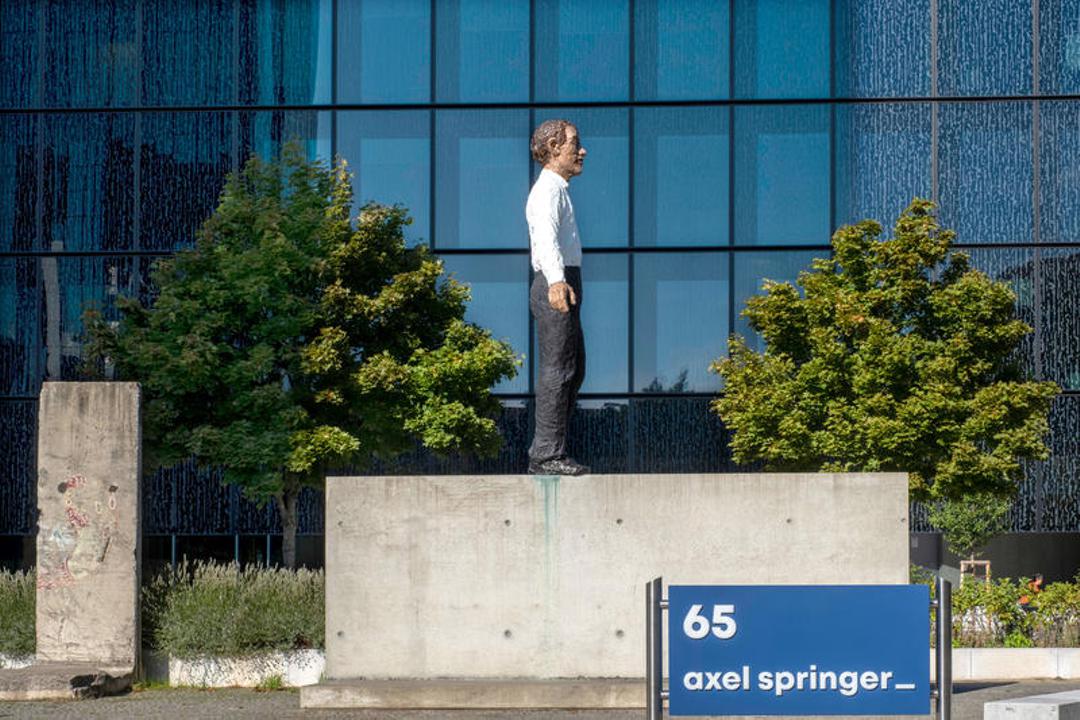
17,601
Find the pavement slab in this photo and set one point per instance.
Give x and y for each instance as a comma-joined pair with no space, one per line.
63,681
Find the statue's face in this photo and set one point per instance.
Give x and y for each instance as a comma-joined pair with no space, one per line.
569,158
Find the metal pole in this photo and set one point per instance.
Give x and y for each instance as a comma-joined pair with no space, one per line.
943,656
654,650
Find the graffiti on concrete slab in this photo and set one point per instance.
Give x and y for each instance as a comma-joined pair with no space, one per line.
75,545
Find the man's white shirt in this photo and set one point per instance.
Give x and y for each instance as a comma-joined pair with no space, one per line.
553,233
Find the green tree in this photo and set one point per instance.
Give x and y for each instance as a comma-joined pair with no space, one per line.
971,521
288,340
896,356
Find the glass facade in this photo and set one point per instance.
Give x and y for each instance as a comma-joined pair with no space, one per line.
726,140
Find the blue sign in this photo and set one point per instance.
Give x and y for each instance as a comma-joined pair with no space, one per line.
799,650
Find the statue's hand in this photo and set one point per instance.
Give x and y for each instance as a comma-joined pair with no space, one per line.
561,296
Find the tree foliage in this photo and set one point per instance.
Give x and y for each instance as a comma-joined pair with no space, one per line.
896,356
970,522
289,340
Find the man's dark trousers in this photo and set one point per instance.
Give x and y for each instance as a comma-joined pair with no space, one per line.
561,366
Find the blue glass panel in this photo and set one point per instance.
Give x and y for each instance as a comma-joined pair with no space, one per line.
18,472
601,193
752,269
1059,47
681,176
598,435
582,50
883,48
605,321
284,52
782,175
682,50
1015,267
984,47
482,178
20,47
674,435
22,359
266,132
185,158
985,167
18,183
680,320
482,50
1059,270
782,48
389,154
1059,172
89,182
384,51
882,160
500,302
91,54
189,53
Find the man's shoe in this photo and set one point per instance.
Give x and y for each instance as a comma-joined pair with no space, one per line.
558,466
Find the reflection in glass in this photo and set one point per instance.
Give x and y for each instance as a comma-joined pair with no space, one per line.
389,154
782,175
600,194
682,50
22,357
582,50
882,160
680,320
285,52
681,176
482,50
185,47
18,183
752,269
384,51
984,47
985,167
782,48
266,132
1059,47
500,302
91,54
883,48
1059,172
482,178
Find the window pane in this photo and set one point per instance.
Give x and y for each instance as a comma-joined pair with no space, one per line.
874,63
90,54
185,158
605,322
18,473
18,183
483,50
500,302
1060,270
598,435
1059,47
985,171
782,175
680,320
985,47
882,160
22,357
682,50
389,154
20,47
1059,172
384,51
482,165
752,269
189,51
582,50
782,48
90,182
1017,268
266,132
678,435
681,171
600,194
285,52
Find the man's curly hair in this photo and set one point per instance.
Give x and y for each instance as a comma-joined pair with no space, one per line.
549,130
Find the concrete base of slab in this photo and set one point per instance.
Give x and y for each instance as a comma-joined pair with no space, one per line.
1058,706
475,694
63,681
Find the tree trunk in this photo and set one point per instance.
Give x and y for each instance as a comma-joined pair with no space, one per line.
286,504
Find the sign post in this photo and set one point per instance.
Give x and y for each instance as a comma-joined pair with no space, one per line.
797,650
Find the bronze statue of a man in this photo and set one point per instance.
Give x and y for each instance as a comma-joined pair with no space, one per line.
555,296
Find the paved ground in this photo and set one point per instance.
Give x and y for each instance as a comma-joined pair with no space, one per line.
175,704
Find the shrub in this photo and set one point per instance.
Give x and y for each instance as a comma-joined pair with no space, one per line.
987,614
224,610
17,601
1055,617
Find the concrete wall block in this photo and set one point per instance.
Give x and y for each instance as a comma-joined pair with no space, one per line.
1014,663
543,577
88,541
295,668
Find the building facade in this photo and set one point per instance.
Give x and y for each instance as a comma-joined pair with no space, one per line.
726,140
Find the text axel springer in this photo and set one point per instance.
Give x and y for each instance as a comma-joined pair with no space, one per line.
847,683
